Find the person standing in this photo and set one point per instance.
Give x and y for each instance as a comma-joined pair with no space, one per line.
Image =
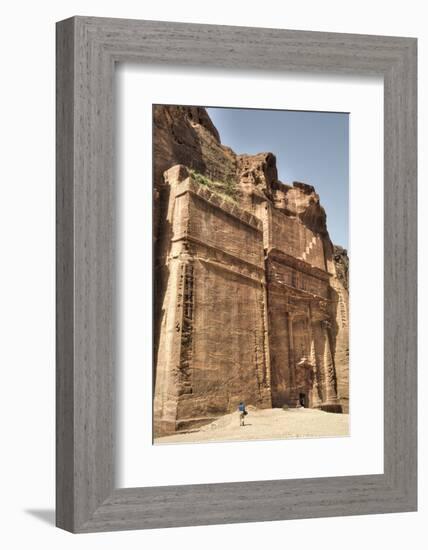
242,413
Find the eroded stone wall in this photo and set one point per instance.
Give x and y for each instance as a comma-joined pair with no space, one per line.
340,313
300,334
239,321
289,235
213,345
251,297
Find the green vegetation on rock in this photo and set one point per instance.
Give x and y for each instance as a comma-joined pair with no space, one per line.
225,189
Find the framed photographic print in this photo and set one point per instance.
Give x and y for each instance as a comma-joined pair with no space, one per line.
246,318
236,274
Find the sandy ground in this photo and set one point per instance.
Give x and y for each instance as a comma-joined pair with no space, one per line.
266,424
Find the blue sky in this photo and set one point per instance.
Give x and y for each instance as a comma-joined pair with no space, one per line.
312,147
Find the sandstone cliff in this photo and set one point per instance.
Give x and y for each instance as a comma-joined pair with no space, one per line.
342,265
186,135
251,296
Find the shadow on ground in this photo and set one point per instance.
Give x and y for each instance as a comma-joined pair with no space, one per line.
43,514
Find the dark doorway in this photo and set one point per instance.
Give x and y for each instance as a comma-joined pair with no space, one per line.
303,400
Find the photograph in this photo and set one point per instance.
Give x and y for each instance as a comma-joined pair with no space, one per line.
250,274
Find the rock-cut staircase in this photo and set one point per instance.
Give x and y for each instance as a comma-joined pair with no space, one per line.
308,249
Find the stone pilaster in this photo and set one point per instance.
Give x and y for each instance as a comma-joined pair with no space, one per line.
330,401
315,396
293,397
166,387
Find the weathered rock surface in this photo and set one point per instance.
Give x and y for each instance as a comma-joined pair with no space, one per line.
251,297
256,175
340,334
342,265
186,135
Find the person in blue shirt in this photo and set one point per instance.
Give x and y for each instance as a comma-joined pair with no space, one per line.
242,413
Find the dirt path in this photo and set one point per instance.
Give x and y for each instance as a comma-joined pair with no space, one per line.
267,424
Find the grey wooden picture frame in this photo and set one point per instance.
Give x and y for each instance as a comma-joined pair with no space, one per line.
87,51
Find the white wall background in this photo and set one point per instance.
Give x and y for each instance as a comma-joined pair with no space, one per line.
27,271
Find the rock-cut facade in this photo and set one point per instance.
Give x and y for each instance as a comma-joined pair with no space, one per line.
251,298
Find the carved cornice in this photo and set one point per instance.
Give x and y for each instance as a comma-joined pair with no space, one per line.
215,250
294,299
215,200
230,269
290,261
